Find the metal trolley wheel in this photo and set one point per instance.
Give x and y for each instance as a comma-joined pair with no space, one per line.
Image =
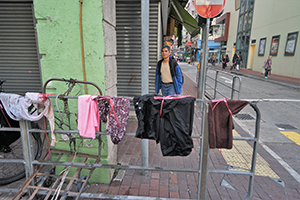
11,172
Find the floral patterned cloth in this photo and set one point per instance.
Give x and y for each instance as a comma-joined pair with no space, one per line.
117,111
103,105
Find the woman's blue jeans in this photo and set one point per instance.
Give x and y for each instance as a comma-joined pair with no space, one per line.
266,72
167,89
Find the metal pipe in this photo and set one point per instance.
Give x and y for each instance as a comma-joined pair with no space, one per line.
145,70
124,167
205,32
70,80
217,171
232,86
159,30
26,143
81,45
204,158
216,84
240,86
254,154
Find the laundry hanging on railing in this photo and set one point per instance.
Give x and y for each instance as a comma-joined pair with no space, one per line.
28,108
167,120
88,116
220,121
115,110
111,110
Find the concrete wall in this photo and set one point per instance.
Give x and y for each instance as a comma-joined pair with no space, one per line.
109,27
59,45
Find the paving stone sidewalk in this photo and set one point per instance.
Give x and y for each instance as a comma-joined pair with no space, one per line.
275,78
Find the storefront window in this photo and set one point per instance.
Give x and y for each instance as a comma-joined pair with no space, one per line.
251,3
244,29
242,6
241,23
238,43
242,41
246,5
247,39
249,20
245,21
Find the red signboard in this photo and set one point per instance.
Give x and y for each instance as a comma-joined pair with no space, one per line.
209,8
188,44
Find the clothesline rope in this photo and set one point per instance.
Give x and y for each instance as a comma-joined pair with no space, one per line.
173,96
220,100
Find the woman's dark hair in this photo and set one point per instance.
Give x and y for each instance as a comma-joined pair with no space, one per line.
168,47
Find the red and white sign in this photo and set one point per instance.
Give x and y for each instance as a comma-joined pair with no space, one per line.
209,8
188,44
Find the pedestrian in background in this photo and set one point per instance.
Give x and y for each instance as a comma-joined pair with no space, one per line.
193,59
267,65
238,62
224,61
233,61
227,60
168,76
214,57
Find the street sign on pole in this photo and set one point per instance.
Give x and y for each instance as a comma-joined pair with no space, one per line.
209,8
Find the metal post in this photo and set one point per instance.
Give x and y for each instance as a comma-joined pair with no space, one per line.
201,87
145,70
232,87
204,157
198,71
27,145
254,152
216,84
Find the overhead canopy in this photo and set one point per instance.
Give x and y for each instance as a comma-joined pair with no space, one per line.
211,44
182,16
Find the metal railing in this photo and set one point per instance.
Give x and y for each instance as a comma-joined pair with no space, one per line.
203,169
218,87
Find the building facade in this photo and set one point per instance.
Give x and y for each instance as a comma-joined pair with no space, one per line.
259,29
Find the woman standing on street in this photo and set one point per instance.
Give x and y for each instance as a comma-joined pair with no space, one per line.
267,66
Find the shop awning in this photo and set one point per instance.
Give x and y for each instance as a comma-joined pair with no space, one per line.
211,44
182,16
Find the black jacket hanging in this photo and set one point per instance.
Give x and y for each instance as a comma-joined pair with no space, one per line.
173,129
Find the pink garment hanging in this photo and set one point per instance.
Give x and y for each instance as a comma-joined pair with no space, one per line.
88,116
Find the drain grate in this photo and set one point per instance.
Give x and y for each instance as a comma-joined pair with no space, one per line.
285,126
244,117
